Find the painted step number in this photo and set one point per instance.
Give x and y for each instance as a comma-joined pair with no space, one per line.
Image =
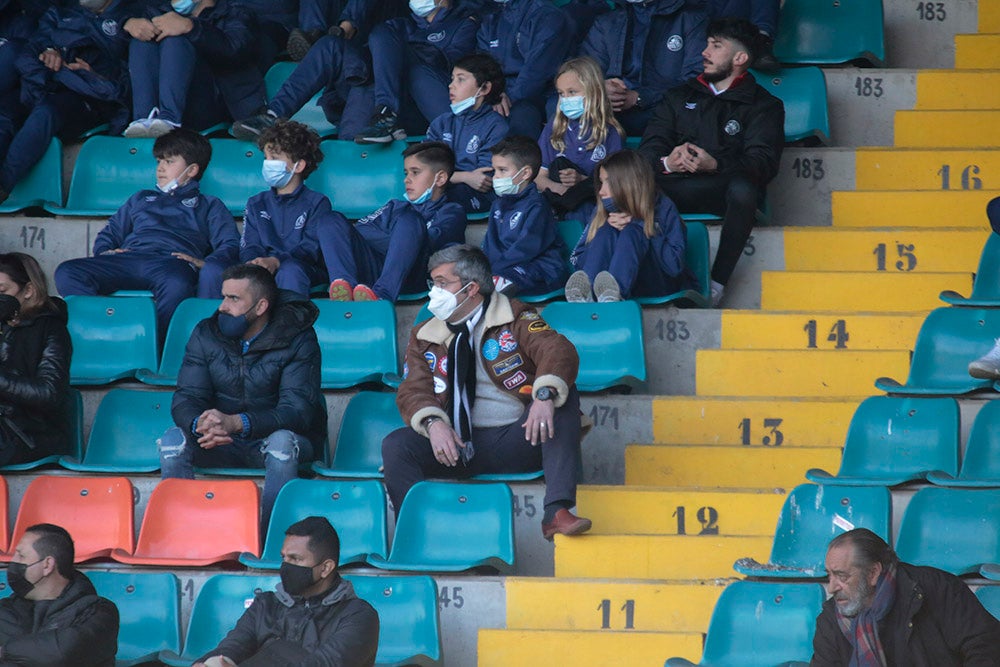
628,608
838,336
774,437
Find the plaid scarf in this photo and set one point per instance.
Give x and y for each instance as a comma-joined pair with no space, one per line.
862,630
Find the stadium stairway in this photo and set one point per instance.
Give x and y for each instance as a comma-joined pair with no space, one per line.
775,397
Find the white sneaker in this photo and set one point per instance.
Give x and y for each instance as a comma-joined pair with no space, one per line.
158,127
987,367
718,290
606,288
578,288
142,128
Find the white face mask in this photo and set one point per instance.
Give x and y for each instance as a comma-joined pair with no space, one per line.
506,186
443,303
174,183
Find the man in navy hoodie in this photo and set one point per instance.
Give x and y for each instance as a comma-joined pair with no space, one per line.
645,48
160,238
72,78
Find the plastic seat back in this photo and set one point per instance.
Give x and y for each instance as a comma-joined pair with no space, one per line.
182,323
982,452
698,262
989,596
220,603
108,170
311,113
758,624
149,611
803,92
357,340
123,437
42,186
955,530
450,527
112,337
821,32
234,173
368,418
949,339
986,288
407,617
608,338
812,516
98,512
357,509
359,179
220,522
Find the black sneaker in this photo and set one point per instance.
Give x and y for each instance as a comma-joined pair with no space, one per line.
250,128
383,130
765,60
300,41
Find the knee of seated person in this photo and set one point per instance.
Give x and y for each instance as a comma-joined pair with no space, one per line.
172,443
993,213
281,446
742,191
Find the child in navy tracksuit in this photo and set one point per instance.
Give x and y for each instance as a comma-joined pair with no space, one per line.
160,238
522,242
72,78
192,64
386,252
635,242
412,58
645,49
582,132
280,225
472,128
529,38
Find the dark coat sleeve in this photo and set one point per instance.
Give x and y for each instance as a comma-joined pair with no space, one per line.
660,136
242,641
194,381
763,142
48,386
298,389
93,635
975,633
351,642
829,641
228,41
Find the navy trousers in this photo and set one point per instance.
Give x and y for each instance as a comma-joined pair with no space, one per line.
169,75
400,68
293,275
330,62
627,256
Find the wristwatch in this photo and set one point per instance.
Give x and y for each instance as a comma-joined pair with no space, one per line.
427,421
546,394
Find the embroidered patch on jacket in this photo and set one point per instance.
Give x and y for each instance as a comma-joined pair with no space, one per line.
539,325
515,379
508,364
507,341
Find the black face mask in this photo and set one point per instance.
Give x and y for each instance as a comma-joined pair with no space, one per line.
17,580
9,306
295,579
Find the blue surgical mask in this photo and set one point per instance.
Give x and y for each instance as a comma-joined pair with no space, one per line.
234,326
572,107
609,204
422,198
276,173
506,186
422,7
463,105
183,7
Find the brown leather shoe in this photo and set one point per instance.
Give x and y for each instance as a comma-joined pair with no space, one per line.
565,523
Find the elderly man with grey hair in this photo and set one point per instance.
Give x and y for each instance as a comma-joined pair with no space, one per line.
488,388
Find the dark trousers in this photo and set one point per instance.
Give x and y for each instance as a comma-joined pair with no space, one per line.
473,201
733,196
330,61
527,117
400,69
627,256
407,457
319,14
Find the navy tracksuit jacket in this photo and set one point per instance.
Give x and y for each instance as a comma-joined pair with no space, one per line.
470,134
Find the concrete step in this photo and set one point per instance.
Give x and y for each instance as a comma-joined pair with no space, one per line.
796,373
856,291
951,129
749,421
707,467
749,330
977,51
989,17
631,510
958,89
503,648
913,209
926,169
891,250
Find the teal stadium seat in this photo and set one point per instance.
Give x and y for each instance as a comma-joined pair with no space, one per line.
981,461
608,337
758,624
123,437
233,175
696,257
803,92
359,179
407,617
570,232
43,184
182,323
812,516
451,527
112,338
357,341
895,440
368,418
108,170
149,611
356,508
955,530
949,339
990,597
311,114
220,603
826,32
71,447
986,288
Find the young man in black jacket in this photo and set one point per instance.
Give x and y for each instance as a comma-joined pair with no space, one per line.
54,616
314,616
716,141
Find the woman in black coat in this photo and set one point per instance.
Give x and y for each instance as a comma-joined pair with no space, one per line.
35,352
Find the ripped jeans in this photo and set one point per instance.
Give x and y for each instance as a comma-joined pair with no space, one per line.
278,454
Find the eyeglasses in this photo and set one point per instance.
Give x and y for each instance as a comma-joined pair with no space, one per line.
443,284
